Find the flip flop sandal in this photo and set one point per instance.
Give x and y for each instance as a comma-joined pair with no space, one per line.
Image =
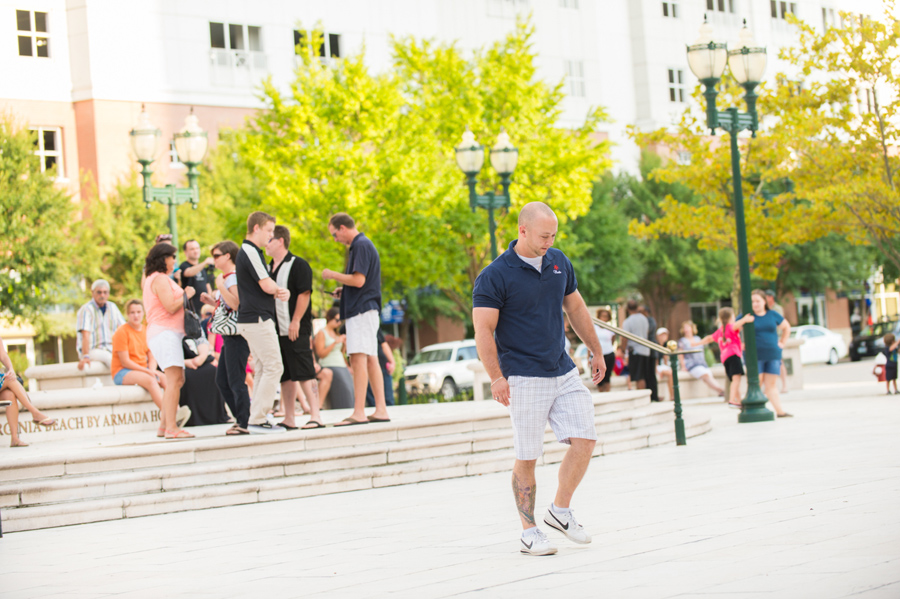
46,421
348,421
20,443
236,430
314,423
181,434
373,419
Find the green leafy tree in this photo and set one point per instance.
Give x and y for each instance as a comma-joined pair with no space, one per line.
605,256
675,268
35,228
663,269
116,233
380,147
836,125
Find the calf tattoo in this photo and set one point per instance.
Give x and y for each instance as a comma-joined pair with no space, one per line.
524,493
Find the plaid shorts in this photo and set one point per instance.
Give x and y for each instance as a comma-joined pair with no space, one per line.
564,401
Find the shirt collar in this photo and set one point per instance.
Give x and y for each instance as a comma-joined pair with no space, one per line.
513,260
359,237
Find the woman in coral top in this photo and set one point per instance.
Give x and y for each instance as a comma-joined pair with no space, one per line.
163,299
132,362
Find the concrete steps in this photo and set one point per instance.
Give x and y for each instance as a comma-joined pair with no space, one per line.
123,476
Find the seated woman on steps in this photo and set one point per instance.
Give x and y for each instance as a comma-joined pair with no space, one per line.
132,362
11,390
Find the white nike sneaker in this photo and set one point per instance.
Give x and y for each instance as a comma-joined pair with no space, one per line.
535,542
566,524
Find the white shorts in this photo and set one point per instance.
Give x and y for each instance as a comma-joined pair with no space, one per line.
699,371
166,348
564,401
362,333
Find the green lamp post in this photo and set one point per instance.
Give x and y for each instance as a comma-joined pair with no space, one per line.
190,143
707,59
470,159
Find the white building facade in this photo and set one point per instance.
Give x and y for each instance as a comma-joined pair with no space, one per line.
78,71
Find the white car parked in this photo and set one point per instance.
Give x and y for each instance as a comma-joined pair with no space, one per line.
820,344
442,367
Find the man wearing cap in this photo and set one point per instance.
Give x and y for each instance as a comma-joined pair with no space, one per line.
96,322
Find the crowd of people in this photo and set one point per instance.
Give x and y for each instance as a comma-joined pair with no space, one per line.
645,367
257,320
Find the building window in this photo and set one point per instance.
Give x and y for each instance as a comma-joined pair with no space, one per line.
779,9
239,37
683,157
32,31
507,9
568,4
720,5
236,54
670,9
828,18
575,76
174,161
330,46
48,149
676,85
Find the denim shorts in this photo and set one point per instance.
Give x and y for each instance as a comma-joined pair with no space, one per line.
770,367
120,376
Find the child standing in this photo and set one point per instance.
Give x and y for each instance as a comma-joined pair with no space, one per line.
890,365
731,351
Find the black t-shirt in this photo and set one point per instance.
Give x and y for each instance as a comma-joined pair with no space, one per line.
298,280
198,282
251,268
363,258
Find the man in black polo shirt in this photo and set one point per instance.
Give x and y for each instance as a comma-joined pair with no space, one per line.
256,319
518,304
293,320
360,309
196,274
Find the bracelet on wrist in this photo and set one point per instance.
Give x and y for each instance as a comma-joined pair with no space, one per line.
495,381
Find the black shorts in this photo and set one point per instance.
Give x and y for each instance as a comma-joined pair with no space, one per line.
610,360
638,367
297,359
734,367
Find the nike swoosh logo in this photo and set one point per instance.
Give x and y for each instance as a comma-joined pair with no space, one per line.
528,545
565,526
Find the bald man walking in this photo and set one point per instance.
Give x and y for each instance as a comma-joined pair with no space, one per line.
518,302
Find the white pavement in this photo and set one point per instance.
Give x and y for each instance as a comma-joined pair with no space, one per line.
802,507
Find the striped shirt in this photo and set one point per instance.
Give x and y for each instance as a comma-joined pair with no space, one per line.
100,325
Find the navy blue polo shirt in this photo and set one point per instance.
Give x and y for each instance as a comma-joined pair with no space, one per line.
364,259
529,335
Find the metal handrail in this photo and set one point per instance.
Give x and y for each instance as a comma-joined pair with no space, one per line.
641,341
680,437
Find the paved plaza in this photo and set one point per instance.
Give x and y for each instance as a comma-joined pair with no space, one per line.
802,507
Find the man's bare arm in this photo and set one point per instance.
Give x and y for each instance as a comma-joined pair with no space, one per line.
485,323
357,279
581,322
193,271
